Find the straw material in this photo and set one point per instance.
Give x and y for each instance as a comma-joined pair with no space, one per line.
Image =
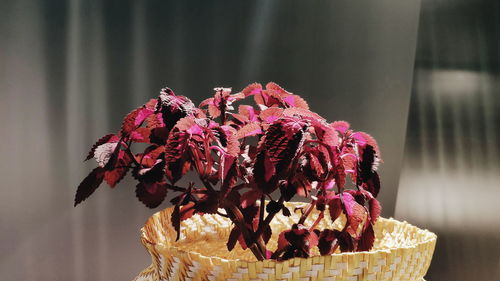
401,252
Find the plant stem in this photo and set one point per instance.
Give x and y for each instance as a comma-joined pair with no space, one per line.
127,150
256,245
262,209
268,219
239,221
316,222
307,212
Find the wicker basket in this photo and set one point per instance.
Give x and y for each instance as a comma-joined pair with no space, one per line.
401,252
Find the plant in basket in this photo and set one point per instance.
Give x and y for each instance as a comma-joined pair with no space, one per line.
249,160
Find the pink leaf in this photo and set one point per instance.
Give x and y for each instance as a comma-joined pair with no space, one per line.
249,111
341,126
271,114
252,89
249,130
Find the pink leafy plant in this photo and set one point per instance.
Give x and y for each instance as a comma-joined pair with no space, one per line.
274,150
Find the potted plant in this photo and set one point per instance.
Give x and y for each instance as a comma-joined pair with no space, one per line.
248,165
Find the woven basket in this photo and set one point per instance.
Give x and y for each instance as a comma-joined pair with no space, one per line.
401,252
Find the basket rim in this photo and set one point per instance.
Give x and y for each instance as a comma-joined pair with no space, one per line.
431,238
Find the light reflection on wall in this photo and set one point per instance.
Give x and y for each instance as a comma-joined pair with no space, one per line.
450,177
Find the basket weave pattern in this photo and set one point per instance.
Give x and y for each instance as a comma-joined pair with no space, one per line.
401,252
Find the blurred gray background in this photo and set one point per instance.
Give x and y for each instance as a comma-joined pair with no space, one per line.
422,78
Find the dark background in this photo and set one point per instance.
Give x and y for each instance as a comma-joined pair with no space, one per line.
69,71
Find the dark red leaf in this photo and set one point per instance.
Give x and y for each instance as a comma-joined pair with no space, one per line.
179,214
176,220
141,135
229,168
151,194
233,237
250,215
366,240
327,242
366,163
345,241
120,169
248,198
89,185
134,119
286,211
274,207
335,207
373,184
277,151
173,107
208,204
153,174
266,235
154,121
300,238
175,155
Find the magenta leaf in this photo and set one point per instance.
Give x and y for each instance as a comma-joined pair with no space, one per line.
89,185
355,212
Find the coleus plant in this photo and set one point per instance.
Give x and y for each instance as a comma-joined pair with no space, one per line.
249,162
